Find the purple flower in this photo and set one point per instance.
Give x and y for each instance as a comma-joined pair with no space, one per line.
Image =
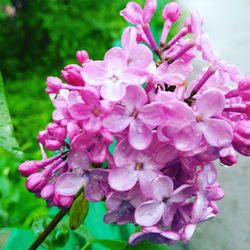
142,169
164,203
113,74
155,235
141,118
121,206
91,112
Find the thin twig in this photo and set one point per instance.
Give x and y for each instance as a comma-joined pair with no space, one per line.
49,229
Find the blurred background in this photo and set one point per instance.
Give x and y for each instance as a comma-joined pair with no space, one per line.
37,39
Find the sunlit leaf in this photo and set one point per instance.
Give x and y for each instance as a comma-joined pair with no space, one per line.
78,212
7,139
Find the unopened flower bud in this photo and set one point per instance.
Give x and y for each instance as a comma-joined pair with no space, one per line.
72,75
60,134
53,145
52,127
215,207
35,182
54,84
171,12
63,201
82,56
48,191
28,168
215,192
229,160
241,139
42,136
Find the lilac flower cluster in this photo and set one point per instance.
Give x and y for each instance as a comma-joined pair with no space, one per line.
167,129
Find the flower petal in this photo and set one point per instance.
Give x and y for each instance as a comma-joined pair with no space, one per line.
94,73
124,154
93,124
165,154
168,214
140,135
115,60
210,103
136,238
217,132
118,120
149,213
79,111
134,76
153,114
181,194
129,37
163,187
132,13
78,159
187,138
177,114
146,178
69,184
149,10
113,92
135,98
93,189
140,57
123,179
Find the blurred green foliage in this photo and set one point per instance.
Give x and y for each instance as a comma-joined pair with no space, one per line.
38,38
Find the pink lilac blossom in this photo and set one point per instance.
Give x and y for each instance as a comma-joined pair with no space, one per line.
167,128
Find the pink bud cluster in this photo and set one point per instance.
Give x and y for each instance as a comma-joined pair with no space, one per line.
167,130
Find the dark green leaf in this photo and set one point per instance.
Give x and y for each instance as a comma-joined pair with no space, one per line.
147,245
7,140
78,212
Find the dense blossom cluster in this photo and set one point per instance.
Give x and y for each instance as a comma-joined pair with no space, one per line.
167,129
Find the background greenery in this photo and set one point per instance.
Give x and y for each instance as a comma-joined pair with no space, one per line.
38,38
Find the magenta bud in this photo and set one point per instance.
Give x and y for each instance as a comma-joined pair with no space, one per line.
35,182
53,145
43,136
248,108
215,207
244,84
244,88
52,127
72,75
28,168
63,201
60,134
82,56
54,84
188,24
48,191
171,12
229,160
241,140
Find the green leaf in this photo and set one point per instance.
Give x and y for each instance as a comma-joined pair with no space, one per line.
78,212
147,245
7,140
109,244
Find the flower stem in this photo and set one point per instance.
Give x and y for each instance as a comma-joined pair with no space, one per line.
49,229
